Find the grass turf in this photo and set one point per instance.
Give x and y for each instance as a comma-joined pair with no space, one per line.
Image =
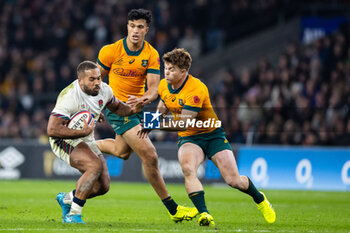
30,206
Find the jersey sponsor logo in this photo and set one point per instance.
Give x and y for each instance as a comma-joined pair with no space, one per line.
173,99
196,99
181,102
132,61
144,63
128,73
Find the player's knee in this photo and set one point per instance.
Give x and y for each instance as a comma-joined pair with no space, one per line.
148,152
95,166
117,152
104,188
188,170
149,157
151,163
124,156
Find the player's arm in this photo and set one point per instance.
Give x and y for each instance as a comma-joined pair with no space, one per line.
123,109
105,59
162,108
57,128
151,93
103,71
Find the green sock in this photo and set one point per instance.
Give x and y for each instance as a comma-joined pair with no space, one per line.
170,204
198,200
253,192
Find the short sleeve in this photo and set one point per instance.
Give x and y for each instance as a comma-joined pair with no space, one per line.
65,107
154,63
110,98
106,56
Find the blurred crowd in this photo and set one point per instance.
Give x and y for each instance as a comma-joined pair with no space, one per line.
303,99
42,42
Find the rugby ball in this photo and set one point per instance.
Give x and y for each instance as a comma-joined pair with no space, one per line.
77,122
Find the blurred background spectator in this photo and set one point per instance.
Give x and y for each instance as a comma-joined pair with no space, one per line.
302,98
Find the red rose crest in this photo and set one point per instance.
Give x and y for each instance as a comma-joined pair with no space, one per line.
196,99
100,103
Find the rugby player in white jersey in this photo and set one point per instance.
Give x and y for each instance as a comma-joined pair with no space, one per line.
78,148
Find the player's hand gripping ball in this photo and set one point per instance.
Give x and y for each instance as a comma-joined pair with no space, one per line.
77,122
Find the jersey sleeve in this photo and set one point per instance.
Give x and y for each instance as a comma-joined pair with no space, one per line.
65,107
110,98
161,89
194,99
106,56
154,63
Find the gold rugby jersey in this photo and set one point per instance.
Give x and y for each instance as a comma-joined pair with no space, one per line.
192,95
128,69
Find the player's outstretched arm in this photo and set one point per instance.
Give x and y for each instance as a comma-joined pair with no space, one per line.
57,128
123,109
151,93
103,71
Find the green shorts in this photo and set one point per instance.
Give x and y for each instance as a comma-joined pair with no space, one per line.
211,143
122,124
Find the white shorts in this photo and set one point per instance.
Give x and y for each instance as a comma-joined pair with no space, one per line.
62,148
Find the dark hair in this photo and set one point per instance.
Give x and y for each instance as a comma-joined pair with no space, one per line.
178,57
85,65
136,14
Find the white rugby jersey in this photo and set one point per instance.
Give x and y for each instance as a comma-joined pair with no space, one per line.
72,100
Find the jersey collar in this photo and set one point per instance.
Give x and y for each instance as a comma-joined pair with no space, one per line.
132,53
176,91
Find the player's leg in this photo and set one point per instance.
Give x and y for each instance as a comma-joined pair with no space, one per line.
85,160
147,152
148,155
117,147
101,186
227,165
190,157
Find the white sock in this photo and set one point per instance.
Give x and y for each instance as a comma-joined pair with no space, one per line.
68,198
75,209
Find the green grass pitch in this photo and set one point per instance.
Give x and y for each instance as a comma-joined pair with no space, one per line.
30,206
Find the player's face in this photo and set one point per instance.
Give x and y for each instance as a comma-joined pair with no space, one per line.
91,82
137,30
172,73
